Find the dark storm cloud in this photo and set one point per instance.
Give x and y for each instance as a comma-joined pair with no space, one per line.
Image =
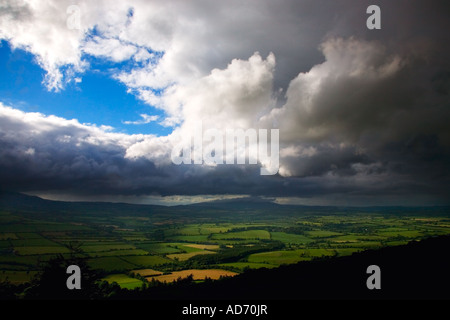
58,156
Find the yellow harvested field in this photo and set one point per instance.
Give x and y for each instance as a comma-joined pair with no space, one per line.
203,246
198,274
185,256
147,272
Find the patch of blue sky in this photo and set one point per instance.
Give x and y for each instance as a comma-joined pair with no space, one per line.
97,99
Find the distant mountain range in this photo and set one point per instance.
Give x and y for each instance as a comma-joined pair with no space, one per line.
19,201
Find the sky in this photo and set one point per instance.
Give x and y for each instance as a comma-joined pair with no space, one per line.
96,95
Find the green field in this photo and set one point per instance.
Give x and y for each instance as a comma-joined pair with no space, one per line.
291,238
400,233
289,256
186,256
17,277
8,236
5,244
107,247
184,247
241,266
39,250
132,252
145,261
124,281
243,235
209,229
110,264
277,258
42,242
11,259
347,251
194,238
159,248
322,233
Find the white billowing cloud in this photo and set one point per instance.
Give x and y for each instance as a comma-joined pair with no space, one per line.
232,98
155,149
41,28
146,118
173,43
32,125
236,96
57,33
110,48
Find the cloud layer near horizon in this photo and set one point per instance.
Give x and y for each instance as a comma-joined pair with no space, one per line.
359,114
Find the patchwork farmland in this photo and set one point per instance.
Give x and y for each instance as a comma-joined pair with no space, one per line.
132,248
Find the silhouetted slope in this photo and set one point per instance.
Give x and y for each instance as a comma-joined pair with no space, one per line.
417,270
